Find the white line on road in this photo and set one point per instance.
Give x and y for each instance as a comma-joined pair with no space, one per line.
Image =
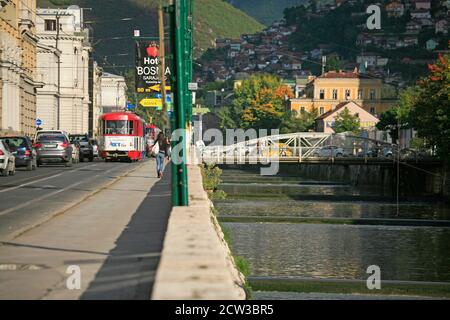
40,180
52,193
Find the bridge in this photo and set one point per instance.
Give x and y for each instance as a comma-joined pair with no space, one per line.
311,147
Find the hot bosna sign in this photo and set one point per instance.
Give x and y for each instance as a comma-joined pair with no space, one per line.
147,66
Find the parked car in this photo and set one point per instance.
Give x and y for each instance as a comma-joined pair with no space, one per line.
86,148
330,151
7,160
53,147
22,149
94,144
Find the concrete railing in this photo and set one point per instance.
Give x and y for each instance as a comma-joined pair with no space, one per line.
196,262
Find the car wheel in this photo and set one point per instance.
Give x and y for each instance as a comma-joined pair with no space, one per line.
30,165
4,173
91,158
81,159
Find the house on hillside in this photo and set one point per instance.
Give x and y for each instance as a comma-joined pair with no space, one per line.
325,122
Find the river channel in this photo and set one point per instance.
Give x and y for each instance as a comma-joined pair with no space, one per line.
293,228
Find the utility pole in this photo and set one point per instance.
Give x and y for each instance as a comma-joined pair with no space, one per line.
58,106
162,72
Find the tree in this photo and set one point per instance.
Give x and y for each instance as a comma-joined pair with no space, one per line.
427,106
345,121
389,122
302,121
261,102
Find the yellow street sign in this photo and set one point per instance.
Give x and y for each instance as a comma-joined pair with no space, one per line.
147,102
158,88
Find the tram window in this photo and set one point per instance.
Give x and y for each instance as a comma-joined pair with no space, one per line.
118,127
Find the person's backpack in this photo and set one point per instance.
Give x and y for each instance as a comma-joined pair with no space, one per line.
155,149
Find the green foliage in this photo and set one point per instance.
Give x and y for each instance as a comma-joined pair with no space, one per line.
427,107
389,122
345,122
298,122
211,180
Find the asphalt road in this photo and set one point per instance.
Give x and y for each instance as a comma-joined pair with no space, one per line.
32,197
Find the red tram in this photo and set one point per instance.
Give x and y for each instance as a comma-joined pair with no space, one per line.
122,136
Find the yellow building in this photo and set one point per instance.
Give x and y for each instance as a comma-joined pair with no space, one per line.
18,67
325,92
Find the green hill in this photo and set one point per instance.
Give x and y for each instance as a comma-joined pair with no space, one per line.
266,11
214,19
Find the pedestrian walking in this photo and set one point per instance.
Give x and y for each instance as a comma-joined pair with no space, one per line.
162,153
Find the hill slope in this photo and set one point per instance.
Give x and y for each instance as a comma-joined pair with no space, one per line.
214,19
266,11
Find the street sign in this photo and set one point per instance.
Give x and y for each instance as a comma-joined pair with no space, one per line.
147,66
193,86
157,88
151,102
38,122
168,97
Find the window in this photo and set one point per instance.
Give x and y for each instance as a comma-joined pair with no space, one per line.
347,94
302,109
118,127
50,25
372,94
360,94
321,110
334,94
372,110
322,94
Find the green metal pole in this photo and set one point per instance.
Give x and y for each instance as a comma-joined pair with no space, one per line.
171,10
180,97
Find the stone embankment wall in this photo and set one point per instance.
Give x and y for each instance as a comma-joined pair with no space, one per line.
196,262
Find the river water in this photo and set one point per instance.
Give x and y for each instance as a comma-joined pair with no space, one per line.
330,250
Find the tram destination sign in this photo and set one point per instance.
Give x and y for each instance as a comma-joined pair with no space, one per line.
147,66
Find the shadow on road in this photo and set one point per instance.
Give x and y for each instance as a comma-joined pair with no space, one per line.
129,271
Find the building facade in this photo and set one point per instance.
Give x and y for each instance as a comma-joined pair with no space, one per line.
18,82
97,109
114,92
325,92
48,95
64,30
325,122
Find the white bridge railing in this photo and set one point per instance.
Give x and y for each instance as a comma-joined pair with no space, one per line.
298,147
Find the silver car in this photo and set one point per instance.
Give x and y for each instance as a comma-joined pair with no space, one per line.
7,160
54,148
330,151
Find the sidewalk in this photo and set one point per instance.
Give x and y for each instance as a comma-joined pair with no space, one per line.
115,237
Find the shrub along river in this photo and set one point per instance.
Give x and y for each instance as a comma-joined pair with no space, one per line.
302,237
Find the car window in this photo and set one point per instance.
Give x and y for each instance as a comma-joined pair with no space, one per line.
15,143
51,137
81,138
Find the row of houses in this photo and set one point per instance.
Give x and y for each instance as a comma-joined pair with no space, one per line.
48,72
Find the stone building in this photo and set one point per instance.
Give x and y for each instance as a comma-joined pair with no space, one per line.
325,92
18,81
114,93
72,39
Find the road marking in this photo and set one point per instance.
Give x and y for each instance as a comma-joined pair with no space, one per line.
52,193
40,180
